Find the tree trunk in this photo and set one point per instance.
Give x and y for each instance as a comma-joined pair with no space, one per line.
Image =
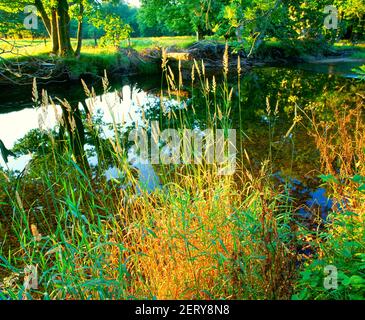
54,32
199,34
63,23
79,31
57,26
260,35
44,16
95,39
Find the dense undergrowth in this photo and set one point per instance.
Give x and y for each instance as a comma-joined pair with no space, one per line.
341,244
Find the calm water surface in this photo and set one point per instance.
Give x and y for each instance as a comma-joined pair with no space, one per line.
295,158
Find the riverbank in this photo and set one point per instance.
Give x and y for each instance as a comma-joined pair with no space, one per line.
27,58
50,69
143,57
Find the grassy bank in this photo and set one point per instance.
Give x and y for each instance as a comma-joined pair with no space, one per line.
355,51
341,242
38,47
302,50
92,62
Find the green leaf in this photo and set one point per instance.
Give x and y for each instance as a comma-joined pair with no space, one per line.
328,178
350,214
358,179
357,281
151,232
347,281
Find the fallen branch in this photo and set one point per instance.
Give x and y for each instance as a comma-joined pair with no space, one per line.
13,71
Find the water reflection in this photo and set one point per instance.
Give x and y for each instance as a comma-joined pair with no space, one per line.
15,125
122,108
341,67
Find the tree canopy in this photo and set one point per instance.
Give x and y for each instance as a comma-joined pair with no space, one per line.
114,20
278,18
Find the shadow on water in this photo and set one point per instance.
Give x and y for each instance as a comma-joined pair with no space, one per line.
263,111
343,67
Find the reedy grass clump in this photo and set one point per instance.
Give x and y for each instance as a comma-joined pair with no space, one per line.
210,239
199,236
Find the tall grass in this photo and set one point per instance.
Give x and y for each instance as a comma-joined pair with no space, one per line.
200,236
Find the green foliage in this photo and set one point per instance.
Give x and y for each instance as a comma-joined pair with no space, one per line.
277,50
182,17
115,30
126,13
342,245
91,63
35,141
10,23
361,72
285,20
346,254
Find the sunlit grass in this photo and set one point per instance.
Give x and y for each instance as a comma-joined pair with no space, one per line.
40,47
357,50
141,44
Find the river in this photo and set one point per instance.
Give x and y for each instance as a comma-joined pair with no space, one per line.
294,158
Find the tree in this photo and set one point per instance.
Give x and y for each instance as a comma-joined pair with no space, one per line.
56,19
287,20
127,14
252,18
352,15
56,16
182,16
80,24
10,21
114,17
306,18
115,30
